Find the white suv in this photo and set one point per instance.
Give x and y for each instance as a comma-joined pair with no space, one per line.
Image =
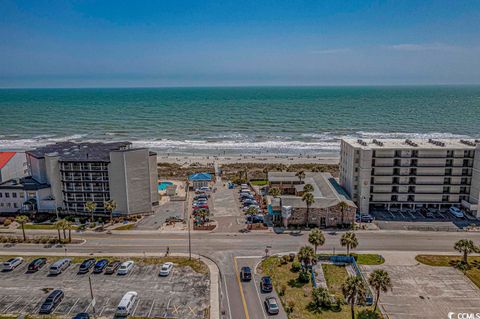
12,263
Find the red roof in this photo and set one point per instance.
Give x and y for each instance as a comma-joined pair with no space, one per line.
5,157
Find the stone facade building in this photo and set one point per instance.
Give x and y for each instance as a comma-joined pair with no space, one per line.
325,211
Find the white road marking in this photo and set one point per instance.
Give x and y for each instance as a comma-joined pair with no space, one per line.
104,306
259,299
228,299
11,304
168,306
151,307
136,306
58,306
76,301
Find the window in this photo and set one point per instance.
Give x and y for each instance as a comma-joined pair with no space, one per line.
7,195
1,204
15,205
1,195
9,205
14,195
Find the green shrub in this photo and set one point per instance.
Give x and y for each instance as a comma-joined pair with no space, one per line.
304,277
296,266
7,222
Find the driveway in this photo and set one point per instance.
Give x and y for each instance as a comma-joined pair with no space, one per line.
421,291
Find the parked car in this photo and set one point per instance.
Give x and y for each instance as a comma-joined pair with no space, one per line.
271,305
266,284
112,267
456,212
82,315
12,263
166,269
255,219
366,218
245,274
199,206
201,196
100,266
86,265
125,267
53,299
59,266
36,264
205,189
125,306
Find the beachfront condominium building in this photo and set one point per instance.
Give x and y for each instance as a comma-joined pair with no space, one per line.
97,172
396,174
12,165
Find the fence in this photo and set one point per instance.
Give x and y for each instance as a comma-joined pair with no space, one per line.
351,261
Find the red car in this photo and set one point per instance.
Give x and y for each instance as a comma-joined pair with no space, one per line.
204,206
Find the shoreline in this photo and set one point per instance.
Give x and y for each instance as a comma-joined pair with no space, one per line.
242,159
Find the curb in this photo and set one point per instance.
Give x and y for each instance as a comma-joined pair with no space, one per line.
212,267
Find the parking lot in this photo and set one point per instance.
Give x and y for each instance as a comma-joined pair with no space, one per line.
183,294
420,291
416,220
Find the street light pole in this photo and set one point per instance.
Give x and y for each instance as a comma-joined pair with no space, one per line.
188,224
91,295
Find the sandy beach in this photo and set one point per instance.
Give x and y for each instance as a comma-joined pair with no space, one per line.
280,159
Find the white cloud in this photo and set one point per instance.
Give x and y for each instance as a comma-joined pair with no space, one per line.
415,47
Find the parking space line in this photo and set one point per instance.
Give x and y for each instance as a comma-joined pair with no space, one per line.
58,306
26,305
11,304
168,306
71,308
136,306
131,272
89,304
151,307
104,306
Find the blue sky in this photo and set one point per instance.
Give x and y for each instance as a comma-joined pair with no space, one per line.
202,43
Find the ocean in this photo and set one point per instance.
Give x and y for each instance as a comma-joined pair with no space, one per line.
243,120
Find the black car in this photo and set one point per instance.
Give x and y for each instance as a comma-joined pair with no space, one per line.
82,315
52,301
112,267
246,274
366,218
86,265
37,264
266,284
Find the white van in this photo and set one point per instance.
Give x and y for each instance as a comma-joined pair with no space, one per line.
60,265
125,306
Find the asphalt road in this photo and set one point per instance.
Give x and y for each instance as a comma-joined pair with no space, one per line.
223,247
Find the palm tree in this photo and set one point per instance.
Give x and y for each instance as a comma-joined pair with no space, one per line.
68,225
309,200
349,240
343,205
316,238
465,246
300,175
306,255
308,188
64,227
90,207
251,211
380,281
22,219
274,192
203,213
265,171
354,291
58,226
110,206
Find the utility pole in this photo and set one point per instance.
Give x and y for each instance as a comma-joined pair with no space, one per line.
91,295
188,223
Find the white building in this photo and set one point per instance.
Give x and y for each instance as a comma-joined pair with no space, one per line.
12,165
409,174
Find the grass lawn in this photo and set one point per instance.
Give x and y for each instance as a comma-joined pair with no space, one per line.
197,265
125,227
259,183
369,259
450,261
300,294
